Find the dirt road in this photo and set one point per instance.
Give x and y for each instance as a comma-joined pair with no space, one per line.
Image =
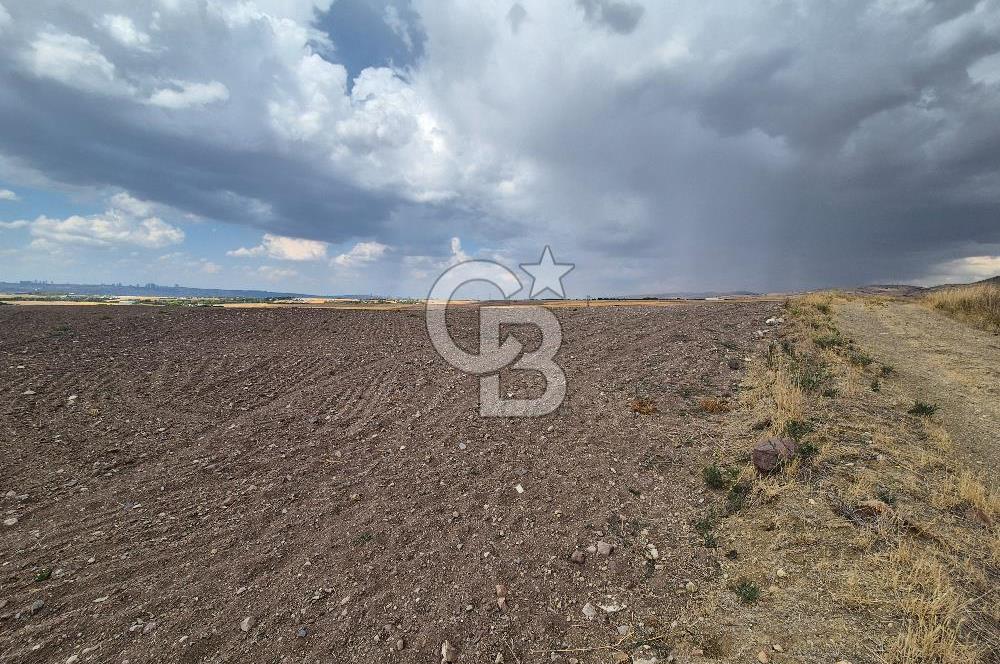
941,361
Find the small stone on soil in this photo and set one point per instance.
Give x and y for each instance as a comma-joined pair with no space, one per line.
605,548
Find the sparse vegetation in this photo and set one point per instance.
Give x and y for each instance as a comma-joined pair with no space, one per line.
915,515
747,591
795,429
922,409
978,304
715,477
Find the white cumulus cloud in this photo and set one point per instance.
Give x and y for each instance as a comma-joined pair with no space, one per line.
123,30
127,222
283,248
361,253
73,61
184,94
7,195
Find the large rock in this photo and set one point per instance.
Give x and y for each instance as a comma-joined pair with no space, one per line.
770,453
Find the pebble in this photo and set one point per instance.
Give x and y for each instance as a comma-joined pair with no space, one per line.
12,521
691,587
37,606
578,557
72,659
461,446
651,552
148,627
605,548
781,573
777,648
400,644
247,624
302,633
763,658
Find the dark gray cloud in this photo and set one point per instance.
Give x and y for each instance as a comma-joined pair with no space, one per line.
696,145
614,15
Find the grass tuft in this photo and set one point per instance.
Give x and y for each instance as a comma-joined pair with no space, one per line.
922,409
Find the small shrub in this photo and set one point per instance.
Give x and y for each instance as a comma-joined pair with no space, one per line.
363,538
43,574
922,409
810,374
859,358
737,496
886,496
747,591
795,429
830,392
823,307
704,528
829,340
808,450
715,477
876,386
887,370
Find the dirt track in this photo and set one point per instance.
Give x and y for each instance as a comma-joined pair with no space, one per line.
327,475
940,361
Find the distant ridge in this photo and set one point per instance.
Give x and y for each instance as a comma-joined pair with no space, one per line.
907,289
148,290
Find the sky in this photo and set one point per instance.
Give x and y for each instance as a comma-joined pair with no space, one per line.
364,146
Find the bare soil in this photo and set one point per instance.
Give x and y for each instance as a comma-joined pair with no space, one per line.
322,472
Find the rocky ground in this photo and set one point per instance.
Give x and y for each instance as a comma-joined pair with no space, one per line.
315,486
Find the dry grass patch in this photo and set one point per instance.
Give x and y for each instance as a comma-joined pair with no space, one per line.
978,305
902,540
713,405
643,406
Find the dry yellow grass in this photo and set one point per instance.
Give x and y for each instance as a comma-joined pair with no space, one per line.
979,304
713,405
904,536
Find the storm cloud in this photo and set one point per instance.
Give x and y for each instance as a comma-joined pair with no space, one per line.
660,146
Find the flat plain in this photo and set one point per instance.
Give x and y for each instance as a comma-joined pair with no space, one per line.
316,485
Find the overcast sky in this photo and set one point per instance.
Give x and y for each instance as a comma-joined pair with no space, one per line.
365,145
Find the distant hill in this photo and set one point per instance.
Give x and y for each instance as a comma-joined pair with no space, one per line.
905,290
137,290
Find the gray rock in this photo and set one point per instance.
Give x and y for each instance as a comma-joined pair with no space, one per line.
605,548
36,607
302,633
247,624
578,557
